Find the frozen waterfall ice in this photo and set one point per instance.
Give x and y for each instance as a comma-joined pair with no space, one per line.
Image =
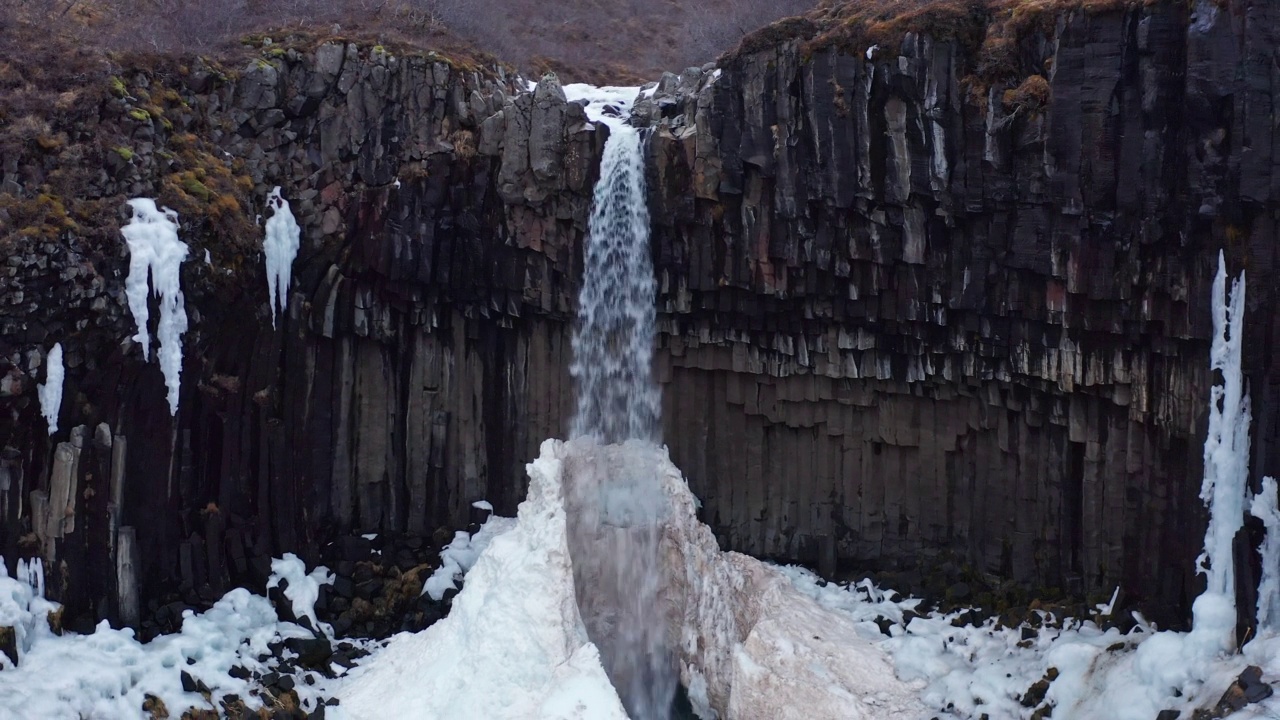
155,257
280,246
50,393
1226,466
1264,508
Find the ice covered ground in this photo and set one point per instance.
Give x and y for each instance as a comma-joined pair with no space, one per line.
461,554
109,674
975,669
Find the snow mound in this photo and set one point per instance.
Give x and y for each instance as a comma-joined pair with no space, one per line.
461,554
513,645
155,257
50,393
302,589
280,246
751,645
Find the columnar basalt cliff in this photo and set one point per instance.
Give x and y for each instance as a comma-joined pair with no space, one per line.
913,310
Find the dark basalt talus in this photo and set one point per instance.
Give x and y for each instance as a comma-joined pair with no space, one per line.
909,313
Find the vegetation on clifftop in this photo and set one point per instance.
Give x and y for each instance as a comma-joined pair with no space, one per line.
998,38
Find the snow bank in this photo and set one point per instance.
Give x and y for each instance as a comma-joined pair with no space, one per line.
155,256
459,556
301,588
280,246
513,645
50,393
108,674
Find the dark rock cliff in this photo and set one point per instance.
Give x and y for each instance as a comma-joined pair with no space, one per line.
912,312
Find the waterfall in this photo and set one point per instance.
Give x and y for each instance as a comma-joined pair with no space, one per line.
617,398
617,501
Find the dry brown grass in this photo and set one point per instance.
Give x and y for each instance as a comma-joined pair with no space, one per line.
605,41
992,32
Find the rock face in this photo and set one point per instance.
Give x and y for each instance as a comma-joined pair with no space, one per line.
906,313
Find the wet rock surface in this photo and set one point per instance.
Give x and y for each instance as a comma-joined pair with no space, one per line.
909,311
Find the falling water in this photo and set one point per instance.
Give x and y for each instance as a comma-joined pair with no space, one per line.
615,492
613,345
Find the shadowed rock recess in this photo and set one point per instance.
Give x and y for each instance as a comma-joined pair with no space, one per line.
912,310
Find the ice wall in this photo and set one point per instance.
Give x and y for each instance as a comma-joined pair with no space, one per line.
1226,466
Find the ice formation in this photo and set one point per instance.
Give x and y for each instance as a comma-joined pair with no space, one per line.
1264,507
23,607
280,246
1226,465
155,257
302,588
50,393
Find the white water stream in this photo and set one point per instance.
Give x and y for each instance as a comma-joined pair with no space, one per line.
616,498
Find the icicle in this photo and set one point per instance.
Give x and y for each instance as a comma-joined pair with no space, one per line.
280,246
1226,467
50,393
1264,508
155,255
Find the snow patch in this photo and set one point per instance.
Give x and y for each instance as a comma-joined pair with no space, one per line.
303,588
23,607
155,258
280,246
50,393
461,554
108,674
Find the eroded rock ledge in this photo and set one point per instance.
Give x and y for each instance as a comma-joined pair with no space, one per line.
908,314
